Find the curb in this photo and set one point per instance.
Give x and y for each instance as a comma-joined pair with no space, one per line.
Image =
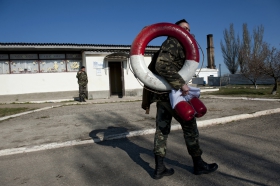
204,123
242,98
209,90
75,102
48,101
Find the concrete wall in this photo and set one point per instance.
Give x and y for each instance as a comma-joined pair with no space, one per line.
95,82
98,85
130,81
44,86
198,81
44,96
239,79
37,83
36,87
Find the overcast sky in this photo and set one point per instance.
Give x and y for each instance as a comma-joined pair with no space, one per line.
119,21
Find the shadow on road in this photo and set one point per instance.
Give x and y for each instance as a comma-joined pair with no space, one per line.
133,150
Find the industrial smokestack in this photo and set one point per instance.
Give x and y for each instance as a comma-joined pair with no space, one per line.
210,52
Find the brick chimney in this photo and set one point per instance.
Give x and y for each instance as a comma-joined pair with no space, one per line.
210,52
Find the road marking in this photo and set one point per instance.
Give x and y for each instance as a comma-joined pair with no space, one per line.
203,123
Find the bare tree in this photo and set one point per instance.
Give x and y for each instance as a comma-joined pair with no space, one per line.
252,54
271,67
230,50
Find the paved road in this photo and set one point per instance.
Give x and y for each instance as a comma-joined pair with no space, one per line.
247,152
75,122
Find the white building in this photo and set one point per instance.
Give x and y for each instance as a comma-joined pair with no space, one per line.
45,71
206,72
48,71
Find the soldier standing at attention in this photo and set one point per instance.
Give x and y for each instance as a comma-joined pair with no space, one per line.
82,81
167,62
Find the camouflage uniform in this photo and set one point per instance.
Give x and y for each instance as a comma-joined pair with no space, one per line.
170,60
82,81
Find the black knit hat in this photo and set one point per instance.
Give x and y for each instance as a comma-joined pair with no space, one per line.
181,21
83,67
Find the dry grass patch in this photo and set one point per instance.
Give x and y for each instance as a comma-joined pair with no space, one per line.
11,111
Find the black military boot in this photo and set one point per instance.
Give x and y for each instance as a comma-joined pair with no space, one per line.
84,99
160,169
80,99
201,167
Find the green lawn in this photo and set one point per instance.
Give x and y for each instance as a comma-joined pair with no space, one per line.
11,111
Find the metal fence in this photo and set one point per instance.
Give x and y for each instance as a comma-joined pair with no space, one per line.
237,79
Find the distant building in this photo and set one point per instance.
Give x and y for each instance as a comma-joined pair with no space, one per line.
211,70
206,72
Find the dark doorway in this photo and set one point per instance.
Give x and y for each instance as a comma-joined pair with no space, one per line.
116,78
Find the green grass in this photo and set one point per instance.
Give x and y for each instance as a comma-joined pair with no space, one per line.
246,91
11,111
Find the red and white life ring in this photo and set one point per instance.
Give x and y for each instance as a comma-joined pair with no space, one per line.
163,29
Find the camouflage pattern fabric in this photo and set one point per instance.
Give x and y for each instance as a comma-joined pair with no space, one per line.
170,60
82,78
163,126
82,91
82,81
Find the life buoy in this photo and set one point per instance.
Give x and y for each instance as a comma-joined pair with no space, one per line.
153,31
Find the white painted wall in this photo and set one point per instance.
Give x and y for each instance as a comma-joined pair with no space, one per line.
101,83
37,83
130,81
96,83
11,84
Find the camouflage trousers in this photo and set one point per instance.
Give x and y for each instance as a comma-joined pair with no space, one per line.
163,126
82,91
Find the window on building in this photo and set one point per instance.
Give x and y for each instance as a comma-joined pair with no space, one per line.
39,63
52,66
73,65
4,67
74,62
24,66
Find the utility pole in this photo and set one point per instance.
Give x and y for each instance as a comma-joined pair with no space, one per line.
220,71
220,75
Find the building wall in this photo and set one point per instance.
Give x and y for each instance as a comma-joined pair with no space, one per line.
37,83
38,87
133,88
99,85
205,72
46,86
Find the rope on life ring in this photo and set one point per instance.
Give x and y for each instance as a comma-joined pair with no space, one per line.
156,30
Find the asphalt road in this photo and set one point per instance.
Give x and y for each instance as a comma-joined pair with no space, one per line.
247,152
75,122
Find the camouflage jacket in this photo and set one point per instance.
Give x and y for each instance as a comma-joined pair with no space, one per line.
82,78
169,62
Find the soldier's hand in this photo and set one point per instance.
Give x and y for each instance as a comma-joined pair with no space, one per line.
185,90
